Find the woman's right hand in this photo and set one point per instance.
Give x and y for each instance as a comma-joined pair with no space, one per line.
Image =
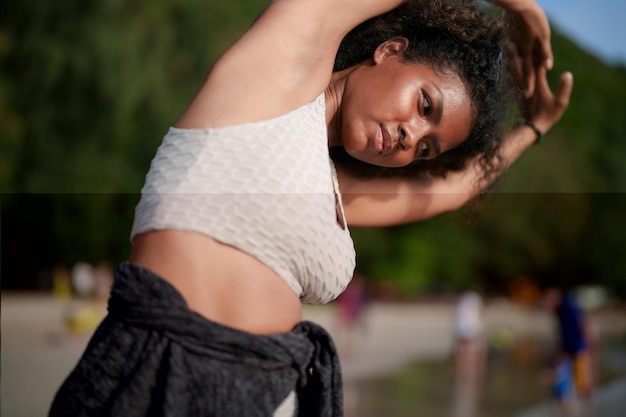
529,30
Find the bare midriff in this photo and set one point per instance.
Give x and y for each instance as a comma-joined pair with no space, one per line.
219,282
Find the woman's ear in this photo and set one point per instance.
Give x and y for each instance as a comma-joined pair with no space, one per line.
393,47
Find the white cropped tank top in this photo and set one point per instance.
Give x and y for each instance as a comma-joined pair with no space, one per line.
267,188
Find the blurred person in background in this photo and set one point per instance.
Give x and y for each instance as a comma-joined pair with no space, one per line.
86,310
351,309
470,351
573,354
561,380
62,284
470,354
83,280
323,115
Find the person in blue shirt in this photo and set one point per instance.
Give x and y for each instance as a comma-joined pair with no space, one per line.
573,338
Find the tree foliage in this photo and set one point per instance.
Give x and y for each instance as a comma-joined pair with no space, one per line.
87,90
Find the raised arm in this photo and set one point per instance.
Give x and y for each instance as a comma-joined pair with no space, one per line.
393,201
283,61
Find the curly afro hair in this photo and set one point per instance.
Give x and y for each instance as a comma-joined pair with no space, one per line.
456,36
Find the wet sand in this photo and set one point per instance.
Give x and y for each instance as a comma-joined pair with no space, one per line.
37,354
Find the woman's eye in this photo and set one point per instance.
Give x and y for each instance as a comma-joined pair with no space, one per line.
426,103
424,149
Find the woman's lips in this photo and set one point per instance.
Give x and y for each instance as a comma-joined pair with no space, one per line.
383,141
379,142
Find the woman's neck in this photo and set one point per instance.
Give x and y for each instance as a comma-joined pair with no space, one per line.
333,97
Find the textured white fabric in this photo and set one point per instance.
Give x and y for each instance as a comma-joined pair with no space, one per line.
267,188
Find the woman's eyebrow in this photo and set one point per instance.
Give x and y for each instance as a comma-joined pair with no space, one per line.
438,107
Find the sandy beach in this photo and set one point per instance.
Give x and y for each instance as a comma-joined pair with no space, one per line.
37,353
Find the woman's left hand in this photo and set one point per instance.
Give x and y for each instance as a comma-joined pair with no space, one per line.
544,108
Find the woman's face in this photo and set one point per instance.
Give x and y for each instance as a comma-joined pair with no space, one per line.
395,112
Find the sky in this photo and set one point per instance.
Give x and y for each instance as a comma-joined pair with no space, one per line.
598,26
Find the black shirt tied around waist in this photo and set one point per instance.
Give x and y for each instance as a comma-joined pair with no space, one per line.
153,356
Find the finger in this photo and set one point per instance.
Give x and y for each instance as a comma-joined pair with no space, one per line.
529,75
548,58
545,52
542,53
542,87
542,45
566,85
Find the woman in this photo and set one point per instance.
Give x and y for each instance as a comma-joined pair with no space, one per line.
243,216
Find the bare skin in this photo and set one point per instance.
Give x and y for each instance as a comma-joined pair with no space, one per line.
291,47
220,282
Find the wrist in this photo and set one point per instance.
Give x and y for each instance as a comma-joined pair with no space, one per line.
539,134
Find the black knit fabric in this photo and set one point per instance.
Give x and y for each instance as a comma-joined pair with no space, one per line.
153,356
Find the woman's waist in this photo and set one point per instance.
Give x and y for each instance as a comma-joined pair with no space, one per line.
221,283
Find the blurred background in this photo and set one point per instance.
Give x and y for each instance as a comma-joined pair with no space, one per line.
87,90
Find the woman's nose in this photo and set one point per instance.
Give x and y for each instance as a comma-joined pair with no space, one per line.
409,136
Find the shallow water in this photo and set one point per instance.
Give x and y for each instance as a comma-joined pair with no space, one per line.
430,389
511,386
